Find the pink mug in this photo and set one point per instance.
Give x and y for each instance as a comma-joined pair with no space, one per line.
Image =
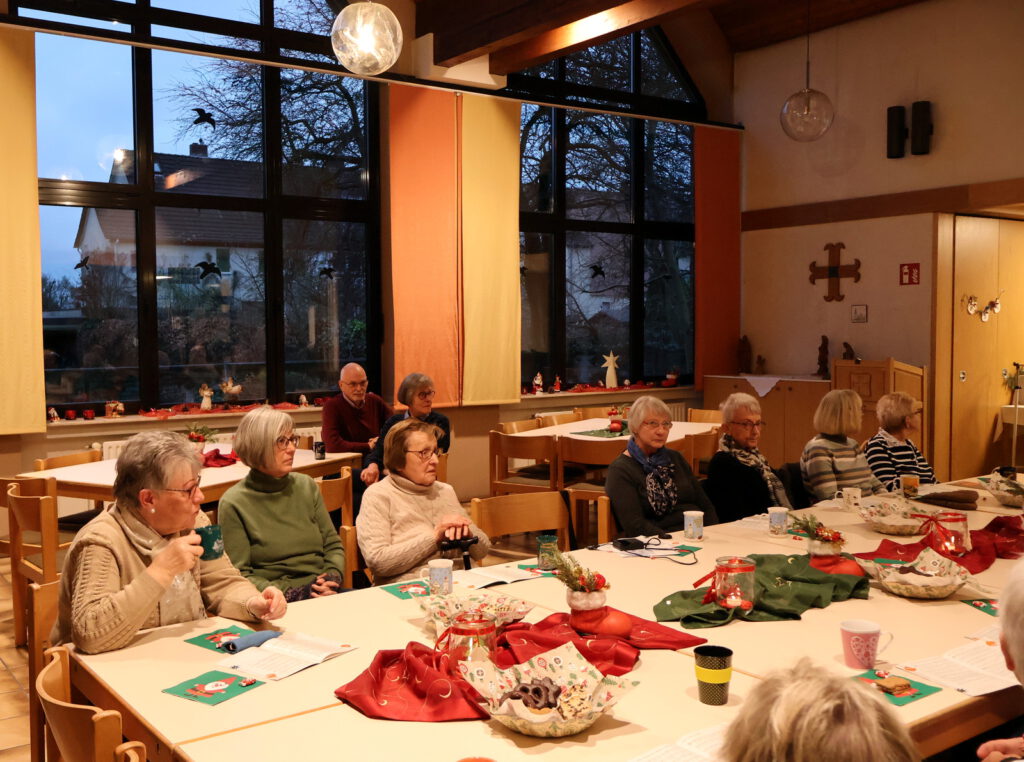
860,642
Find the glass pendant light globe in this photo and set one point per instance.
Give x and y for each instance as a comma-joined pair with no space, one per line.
366,38
806,115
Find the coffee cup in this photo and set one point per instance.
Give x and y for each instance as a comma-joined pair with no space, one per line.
910,483
861,639
713,665
778,519
438,576
212,542
693,525
849,497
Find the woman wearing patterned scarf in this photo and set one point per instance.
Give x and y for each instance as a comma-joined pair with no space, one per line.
740,481
650,485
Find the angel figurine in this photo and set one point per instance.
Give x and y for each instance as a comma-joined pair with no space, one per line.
207,394
230,388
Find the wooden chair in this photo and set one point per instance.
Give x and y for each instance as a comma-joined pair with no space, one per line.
514,427
337,495
589,453
353,557
592,412
73,459
30,513
442,467
544,476
607,526
704,447
554,419
77,732
529,512
28,486
696,415
305,442
42,605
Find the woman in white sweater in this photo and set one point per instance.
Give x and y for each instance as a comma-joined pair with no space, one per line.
405,516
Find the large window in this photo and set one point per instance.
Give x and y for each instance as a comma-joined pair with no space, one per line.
203,218
606,214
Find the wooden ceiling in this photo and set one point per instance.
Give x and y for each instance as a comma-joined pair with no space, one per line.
522,33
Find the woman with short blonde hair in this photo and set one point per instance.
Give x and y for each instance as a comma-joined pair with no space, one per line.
807,714
275,526
831,461
891,453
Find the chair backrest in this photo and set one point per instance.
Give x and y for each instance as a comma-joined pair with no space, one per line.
81,733
305,442
26,486
553,419
42,606
353,556
607,527
337,495
71,459
697,415
793,480
514,427
540,448
600,411
594,451
29,513
524,512
442,467
704,447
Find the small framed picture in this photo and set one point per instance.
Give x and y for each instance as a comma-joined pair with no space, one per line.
859,313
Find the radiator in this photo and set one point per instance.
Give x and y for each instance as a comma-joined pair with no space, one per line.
677,410
310,432
113,449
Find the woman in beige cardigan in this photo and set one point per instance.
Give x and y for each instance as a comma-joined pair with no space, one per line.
405,516
137,565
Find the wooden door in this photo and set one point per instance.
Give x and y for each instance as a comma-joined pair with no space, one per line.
976,376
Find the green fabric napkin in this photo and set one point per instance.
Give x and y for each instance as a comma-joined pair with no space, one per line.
786,586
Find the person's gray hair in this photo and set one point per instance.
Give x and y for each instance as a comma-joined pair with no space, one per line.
1011,618
256,435
737,401
643,407
806,712
149,461
412,384
839,412
892,410
398,435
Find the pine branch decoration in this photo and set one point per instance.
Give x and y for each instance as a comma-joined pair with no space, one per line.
576,577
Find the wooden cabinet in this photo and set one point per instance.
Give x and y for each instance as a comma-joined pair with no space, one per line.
787,407
871,380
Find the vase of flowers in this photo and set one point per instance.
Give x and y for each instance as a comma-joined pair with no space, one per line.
199,435
586,595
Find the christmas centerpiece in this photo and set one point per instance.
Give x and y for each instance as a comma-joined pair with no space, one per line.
894,516
199,435
825,546
586,598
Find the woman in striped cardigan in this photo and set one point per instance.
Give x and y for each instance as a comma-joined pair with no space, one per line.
890,452
831,461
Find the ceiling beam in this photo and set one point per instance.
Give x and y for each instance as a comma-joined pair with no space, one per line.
577,35
465,30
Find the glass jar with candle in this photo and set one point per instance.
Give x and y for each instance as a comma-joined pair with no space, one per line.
547,551
471,637
734,582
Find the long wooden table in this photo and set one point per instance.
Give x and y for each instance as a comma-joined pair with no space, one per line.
574,429
300,712
95,481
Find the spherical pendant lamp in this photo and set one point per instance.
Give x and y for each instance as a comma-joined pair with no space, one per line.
366,38
807,114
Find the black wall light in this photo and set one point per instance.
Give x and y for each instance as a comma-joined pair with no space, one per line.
895,132
920,133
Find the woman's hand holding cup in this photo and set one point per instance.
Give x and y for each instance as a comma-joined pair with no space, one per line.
179,556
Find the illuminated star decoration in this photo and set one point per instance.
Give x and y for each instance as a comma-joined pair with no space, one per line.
611,360
611,378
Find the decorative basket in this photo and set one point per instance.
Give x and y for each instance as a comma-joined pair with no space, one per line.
892,517
920,591
441,609
929,576
549,729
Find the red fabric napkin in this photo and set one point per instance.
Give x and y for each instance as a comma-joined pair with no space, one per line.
611,655
215,458
414,685
1003,537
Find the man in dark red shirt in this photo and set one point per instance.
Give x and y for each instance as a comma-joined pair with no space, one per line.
351,421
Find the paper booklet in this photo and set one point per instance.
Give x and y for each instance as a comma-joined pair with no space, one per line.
283,656
702,745
484,576
975,669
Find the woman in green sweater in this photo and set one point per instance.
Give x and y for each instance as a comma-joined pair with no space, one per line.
276,529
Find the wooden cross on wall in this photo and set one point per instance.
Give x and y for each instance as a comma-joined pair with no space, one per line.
834,271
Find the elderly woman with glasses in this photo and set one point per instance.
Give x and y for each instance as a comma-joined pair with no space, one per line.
740,481
650,485
831,461
137,565
276,529
408,514
891,453
417,393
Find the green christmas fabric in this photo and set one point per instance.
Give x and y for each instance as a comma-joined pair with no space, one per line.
786,586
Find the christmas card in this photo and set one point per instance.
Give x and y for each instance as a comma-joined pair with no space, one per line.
212,640
914,692
988,605
213,687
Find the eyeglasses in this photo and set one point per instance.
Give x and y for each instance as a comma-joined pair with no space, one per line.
426,395
190,491
749,425
426,454
357,384
283,442
658,424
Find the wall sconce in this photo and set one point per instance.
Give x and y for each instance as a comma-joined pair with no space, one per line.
366,38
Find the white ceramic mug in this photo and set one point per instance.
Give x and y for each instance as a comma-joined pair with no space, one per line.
693,525
778,519
438,576
861,642
849,497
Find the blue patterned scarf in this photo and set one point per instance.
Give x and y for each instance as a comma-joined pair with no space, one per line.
659,477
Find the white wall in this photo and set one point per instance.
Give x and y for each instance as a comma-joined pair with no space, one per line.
785,316
966,56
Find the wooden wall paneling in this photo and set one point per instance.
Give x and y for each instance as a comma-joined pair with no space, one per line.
938,412
773,436
974,347
801,402
1009,324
